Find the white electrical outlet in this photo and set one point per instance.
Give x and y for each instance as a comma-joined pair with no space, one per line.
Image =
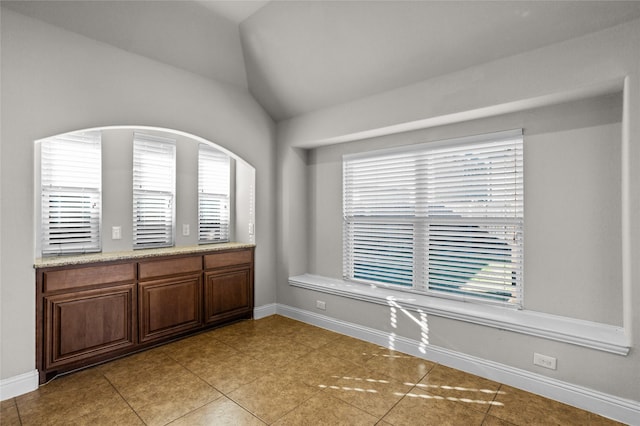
116,232
185,230
544,361
321,305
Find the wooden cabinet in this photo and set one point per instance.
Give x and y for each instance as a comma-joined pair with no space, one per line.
173,304
84,314
227,294
228,290
90,313
85,324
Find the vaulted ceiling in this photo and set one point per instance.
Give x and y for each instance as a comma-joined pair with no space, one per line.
296,57
303,56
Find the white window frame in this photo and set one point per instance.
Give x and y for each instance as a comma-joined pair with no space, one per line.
71,190
214,188
154,191
435,218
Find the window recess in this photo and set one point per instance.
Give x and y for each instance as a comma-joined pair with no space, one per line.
214,169
71,182
154,171
443,218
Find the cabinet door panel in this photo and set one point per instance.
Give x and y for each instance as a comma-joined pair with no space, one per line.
169,306
227,293
85,324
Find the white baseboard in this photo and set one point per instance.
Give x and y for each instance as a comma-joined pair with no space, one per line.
610,406
620,409
18,385
264,311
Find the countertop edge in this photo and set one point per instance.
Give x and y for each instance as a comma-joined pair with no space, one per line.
49,262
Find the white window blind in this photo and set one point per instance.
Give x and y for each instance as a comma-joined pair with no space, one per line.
154,171
442,218
70,177
214,168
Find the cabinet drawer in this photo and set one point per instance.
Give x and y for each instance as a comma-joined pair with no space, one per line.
167,267
218,260
66,279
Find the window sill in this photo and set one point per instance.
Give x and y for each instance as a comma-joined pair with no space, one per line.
602,337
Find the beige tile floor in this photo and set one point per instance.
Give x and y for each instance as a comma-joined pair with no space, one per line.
282,372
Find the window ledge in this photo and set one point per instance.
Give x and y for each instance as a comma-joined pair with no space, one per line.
603,337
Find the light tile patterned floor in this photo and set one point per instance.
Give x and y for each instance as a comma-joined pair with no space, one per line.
282,372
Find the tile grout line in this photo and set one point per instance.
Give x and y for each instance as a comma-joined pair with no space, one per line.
491,405
15,402
222,394
311,350
354,366
406,393
123,398
296,407
497,417
242,352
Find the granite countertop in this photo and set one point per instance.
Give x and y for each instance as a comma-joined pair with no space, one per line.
47,262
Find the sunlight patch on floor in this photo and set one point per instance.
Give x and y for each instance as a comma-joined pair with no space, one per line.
451,398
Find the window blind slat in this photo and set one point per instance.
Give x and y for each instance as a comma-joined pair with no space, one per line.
214,175
70,178
154,163
442,218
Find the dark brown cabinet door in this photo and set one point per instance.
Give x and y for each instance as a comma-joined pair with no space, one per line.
227,294
169,306
87,324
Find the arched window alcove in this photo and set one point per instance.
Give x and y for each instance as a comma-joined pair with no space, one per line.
119,188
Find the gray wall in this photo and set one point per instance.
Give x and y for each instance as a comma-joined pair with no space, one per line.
567,98
168,31
54,81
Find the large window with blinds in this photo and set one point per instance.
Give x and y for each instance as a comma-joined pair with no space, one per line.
71,182
444,218
214,169
154,185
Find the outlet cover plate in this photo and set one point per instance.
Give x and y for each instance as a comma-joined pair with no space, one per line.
116,232
545,361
